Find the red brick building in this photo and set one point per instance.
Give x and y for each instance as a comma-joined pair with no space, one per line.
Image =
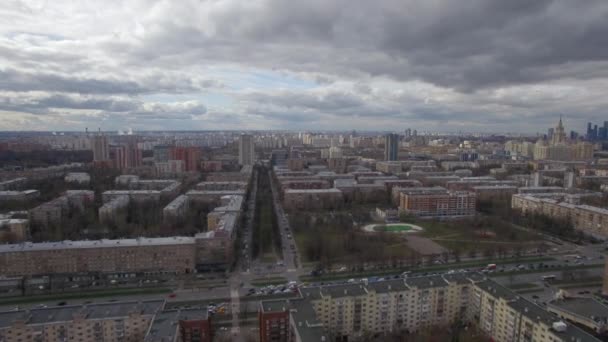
273,318
190,155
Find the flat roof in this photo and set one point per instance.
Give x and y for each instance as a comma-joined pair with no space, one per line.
583,306
165,324
92,311
104,243
308,327
320,191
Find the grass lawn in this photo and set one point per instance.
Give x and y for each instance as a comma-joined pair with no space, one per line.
478,234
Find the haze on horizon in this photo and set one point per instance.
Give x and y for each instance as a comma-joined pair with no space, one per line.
382,65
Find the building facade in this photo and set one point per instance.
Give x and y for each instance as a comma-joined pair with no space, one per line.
246,150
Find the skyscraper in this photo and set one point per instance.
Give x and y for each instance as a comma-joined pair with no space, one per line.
391,146
246,152
191,156
559,135
101,150
133,153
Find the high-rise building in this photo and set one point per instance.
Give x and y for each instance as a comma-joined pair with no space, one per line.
118,155
391,146
191,156
161,153
559,135
246,151
99,145
133,153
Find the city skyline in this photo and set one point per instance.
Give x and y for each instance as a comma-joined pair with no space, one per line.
484,66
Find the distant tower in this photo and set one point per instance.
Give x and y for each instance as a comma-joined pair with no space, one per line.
569,180
537,179
99,145
391,146
559,134
246,151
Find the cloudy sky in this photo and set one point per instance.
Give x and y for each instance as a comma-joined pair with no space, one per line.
474,65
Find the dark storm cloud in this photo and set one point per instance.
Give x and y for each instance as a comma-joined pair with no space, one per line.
460,44
471,61
13,80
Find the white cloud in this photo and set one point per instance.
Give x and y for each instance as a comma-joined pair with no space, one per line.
487,65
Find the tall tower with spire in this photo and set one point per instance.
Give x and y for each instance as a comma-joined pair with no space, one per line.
559,135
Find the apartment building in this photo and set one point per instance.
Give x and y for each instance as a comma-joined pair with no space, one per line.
187,325
303,184
124,321
109,211
289,321
338,165
18,196
589,219
584,311
312,199
13,184
354,310
81,178
172,255
467,184
437,202
51,212
176,208
219,186
492,192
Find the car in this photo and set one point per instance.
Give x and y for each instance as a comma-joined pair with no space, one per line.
172,295
535,297
61,304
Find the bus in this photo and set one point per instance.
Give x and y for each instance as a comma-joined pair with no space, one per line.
548,277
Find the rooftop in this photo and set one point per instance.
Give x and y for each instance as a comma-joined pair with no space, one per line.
104,243
67,313
319,191
165,324
585,307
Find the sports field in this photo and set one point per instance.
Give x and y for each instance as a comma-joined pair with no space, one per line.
393,228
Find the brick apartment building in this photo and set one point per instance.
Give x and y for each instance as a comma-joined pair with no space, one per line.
437,203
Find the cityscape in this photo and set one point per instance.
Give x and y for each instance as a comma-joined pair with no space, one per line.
326,171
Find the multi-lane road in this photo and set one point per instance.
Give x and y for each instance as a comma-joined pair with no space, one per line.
288,244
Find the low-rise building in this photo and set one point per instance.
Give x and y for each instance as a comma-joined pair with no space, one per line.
121,321
184,325
52,212
588,219
81,178
337,165
211,166
220,186
312,199
587,312
355,310
176,208
169,255
18,196
437,203
14,229
494,192
13,184
212,196
109,211
295,164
